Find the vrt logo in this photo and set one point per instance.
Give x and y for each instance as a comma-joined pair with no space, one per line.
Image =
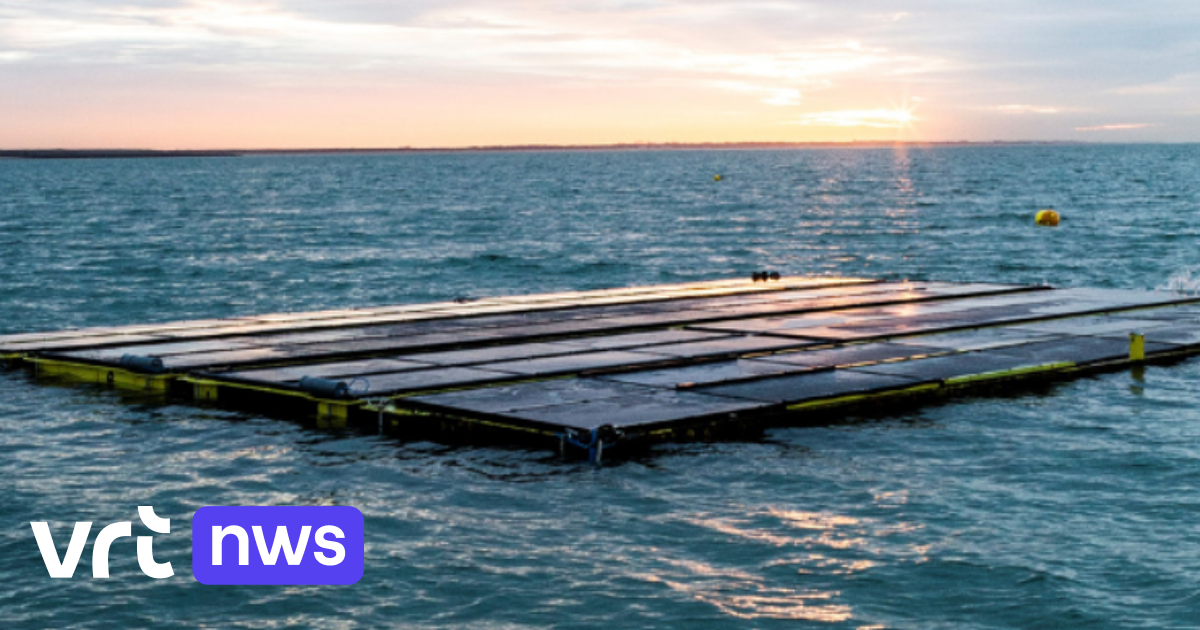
145,546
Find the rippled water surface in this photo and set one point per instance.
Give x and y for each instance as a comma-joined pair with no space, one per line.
1072,506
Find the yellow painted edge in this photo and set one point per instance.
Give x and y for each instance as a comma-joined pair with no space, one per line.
205,392
1000,374
398,411
334,410
235,385
103,375
667,431
1182,352
203,382
854,398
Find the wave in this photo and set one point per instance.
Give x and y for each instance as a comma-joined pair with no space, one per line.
1185,281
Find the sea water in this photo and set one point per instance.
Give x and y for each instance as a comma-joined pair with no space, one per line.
1068,506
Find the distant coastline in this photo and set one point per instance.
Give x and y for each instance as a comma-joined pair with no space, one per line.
63,154
75,154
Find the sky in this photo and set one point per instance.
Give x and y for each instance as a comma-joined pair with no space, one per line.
202,74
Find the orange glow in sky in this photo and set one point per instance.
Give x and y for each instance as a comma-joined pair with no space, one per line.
375,73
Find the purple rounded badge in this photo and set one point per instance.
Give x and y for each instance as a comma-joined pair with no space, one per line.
278,545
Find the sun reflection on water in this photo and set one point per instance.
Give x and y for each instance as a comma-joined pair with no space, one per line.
746,596
791,582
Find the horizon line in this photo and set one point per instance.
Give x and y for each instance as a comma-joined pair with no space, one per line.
619,146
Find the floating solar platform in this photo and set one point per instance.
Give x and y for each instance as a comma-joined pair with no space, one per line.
608,368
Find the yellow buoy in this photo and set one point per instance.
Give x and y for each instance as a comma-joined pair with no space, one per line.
1047,217
716,178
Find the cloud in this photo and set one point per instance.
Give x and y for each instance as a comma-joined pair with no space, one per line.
1117,127
506,37
770,95
572,42
1017,109
1178,84
877,118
